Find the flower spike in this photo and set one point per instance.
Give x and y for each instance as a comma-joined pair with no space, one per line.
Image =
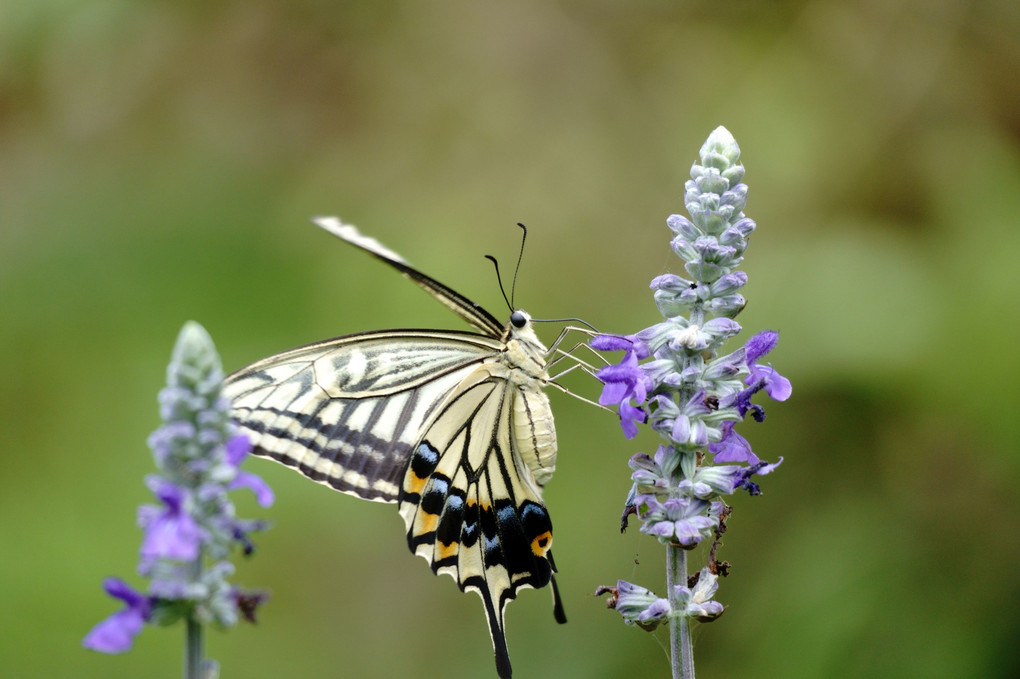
675,378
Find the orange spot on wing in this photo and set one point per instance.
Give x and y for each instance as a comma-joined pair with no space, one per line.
425,522
541,544
414,483
445,551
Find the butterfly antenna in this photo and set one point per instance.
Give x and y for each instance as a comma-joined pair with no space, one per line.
499,279
520,256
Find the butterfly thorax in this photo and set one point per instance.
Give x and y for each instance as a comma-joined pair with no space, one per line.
534,432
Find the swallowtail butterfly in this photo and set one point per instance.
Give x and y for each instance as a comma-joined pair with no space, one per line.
452,426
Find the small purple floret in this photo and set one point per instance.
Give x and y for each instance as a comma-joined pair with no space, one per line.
761,469
116,633
732,447
170,533
777,386
682,518
657,610
237,449
626,384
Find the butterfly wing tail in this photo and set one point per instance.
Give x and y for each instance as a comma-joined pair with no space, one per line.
498,633
558,613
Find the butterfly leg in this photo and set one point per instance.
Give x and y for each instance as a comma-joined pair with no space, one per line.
563,334
588,367
579,398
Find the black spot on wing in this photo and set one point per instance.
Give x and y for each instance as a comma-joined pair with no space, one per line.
471,527
517,528
491,548
535,520
434,498
424,460
517,556
451,522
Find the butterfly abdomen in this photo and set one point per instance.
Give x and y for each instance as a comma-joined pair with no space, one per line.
535,433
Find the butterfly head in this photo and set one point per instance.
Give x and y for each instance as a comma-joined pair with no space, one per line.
524,348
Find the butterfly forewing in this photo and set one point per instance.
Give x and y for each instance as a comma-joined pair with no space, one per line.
346,412
471,312
452,425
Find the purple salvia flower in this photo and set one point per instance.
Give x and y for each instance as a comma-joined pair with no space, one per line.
732,447
694,394
170,437
652,474
697,600
116,633
683,425
696,488
682,519
760,377
237,449
724,368
171,581
637,605
190,534
761,344
669,282
761,469
726,479
656,612
626,384
689,428
170,532
664,372
678,336
729,284
632,598
630,415
776,386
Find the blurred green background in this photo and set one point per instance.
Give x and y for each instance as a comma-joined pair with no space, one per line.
159,161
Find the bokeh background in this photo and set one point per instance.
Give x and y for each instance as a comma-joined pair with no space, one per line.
159,161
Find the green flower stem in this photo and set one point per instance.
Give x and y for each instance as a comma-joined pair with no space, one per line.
681,651
193,643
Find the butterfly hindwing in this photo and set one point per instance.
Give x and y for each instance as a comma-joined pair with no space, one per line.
470,510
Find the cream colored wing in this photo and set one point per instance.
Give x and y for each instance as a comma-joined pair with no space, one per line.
470,504
346,412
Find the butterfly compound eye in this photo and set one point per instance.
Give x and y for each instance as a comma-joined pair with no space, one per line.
518,319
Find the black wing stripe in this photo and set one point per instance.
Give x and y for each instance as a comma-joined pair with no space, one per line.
308,441
305,451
